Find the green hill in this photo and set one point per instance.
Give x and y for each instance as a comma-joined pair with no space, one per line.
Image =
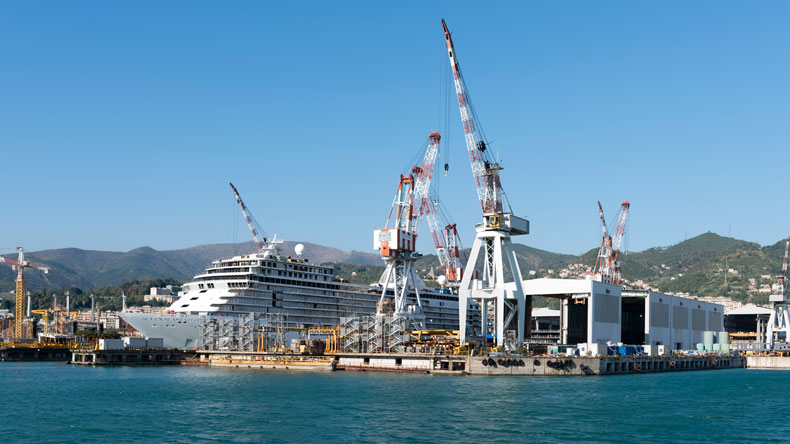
698,266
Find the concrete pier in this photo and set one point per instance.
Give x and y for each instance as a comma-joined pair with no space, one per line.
127,357
473,365
768,362
585,366
34,354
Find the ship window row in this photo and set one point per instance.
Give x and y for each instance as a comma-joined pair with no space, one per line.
227,270
300,275
272,264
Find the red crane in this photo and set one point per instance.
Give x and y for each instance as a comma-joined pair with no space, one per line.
607,264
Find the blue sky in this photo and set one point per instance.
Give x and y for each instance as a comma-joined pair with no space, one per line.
121,123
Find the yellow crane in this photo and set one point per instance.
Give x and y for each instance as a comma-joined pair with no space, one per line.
20,266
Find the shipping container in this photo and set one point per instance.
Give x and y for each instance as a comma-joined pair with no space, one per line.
134,342
154,343
111,344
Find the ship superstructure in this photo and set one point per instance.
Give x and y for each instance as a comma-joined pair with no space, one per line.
297,291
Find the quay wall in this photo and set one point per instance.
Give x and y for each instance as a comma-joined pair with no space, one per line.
768,362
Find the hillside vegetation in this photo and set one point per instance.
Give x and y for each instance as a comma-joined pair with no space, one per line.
698,267
706,265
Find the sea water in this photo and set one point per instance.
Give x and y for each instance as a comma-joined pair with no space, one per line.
57,402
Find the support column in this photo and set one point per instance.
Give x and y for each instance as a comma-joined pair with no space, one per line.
497,252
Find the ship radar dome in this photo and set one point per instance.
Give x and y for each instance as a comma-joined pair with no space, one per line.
299,249
441,280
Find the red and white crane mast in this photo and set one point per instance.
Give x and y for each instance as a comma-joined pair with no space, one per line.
423,174
492,242
485,169
617,242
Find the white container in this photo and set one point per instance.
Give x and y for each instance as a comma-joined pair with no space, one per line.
661,350
648,350
111,344
134,342
154,342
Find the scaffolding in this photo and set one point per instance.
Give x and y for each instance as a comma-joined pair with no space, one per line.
228,333
373,334
264,333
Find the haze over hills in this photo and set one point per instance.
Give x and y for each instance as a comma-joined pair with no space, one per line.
696,266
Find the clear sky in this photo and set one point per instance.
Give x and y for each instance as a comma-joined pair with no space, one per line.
121,123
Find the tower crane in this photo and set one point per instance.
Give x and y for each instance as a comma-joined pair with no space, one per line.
264,245
492,240
20,264
779,321
397,245
607,264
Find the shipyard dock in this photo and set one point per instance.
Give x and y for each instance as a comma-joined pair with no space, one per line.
472,365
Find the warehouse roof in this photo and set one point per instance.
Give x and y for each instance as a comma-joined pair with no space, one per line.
749,310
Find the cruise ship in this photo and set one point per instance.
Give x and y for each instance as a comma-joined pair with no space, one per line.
266,283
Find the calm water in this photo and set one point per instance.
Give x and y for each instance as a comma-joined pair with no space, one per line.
56,402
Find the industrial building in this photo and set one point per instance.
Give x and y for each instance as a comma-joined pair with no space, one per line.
598,314
653,318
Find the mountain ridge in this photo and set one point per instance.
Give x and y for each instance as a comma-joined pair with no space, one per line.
705,265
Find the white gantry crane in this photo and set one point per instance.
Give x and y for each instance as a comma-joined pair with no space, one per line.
20,264
779,322
397,244
492,242
265,246
607,264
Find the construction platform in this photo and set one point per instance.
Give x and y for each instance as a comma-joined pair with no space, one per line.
472,365
128,357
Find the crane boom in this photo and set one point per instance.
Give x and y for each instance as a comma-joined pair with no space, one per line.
603,261
255,237
617,242
484,167
447,243
619,228
423,174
